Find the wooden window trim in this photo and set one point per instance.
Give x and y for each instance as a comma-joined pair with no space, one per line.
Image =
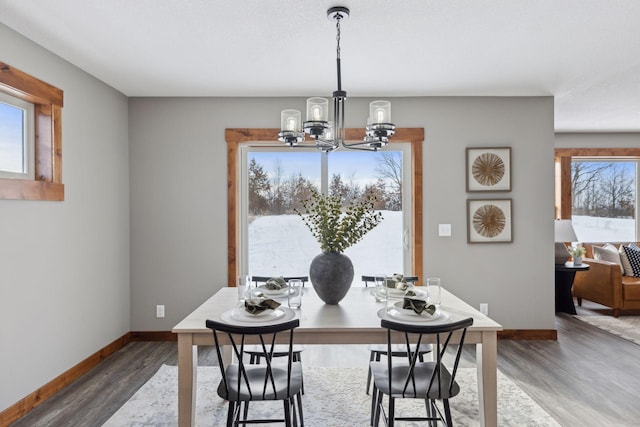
414,136
563,158
48,102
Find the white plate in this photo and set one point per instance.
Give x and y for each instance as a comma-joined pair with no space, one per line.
273,292
238,316
409,312
396,294
391,313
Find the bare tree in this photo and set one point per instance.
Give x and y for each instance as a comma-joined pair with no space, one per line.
389,168
585,177
276,196
618,189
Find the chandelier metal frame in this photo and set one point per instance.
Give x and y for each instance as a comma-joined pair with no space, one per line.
329,136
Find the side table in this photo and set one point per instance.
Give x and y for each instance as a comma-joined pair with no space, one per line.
565,273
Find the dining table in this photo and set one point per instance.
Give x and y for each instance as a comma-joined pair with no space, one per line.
355,320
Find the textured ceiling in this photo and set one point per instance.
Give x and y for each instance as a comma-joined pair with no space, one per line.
585,53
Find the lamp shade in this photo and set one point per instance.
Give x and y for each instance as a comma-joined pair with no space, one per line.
564,231
379,112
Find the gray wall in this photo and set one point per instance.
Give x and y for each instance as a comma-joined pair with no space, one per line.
74,278
179,190
64,266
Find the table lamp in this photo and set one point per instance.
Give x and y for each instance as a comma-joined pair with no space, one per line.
564,232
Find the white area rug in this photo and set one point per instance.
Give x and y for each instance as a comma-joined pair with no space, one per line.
627,327
334,397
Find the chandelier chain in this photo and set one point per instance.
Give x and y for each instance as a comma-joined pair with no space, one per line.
338,37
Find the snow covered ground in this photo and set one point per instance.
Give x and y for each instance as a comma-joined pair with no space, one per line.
282,245
593,229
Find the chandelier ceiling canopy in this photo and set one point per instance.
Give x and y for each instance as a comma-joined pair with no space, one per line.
330,135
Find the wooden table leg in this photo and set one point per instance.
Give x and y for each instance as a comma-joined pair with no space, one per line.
487,365
187,380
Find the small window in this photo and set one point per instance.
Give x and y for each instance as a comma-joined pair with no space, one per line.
16,138
30,137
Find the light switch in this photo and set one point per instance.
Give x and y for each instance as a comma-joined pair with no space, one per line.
444,230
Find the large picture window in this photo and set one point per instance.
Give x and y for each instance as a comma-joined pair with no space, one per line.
597,188
604,199
279,181
275,182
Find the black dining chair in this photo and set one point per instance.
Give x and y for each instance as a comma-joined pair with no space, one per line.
379,350
431,381
243,383
256,355
263,279
372,279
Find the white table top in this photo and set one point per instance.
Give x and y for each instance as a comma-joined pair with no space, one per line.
357,312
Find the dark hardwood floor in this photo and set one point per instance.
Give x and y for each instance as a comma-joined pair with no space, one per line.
586,378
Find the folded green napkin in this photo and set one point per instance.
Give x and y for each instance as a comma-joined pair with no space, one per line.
275,283
418,306
258,305
397,281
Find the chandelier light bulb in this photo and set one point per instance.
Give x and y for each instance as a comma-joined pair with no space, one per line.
290,120
380,112
317,109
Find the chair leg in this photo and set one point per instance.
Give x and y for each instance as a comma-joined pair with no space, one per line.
376,421
300,413
447,412
374,395
292,409
371,357
297,357
432,413
287,412
230,413
245,412
392,411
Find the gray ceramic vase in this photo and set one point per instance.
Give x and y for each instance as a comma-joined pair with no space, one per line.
331,275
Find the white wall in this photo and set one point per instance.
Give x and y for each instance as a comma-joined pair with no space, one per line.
64,266
179,196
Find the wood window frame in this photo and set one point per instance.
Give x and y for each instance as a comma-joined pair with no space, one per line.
563,158
234,137
48,102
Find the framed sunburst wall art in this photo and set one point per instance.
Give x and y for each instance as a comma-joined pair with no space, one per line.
488,169
489,221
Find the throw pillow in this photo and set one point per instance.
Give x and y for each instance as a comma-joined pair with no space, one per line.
626,266
605,253
633,255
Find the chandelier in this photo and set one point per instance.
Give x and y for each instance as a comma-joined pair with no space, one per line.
329,135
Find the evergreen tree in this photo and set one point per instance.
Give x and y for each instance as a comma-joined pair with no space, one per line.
259,187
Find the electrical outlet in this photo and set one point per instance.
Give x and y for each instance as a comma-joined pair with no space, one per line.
484,308
159,311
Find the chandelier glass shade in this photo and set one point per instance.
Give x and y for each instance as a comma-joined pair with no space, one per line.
328,134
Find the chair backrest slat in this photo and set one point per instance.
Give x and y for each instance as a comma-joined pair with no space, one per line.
264,279
440,376
267,337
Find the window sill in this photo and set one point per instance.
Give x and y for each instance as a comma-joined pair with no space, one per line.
18,189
